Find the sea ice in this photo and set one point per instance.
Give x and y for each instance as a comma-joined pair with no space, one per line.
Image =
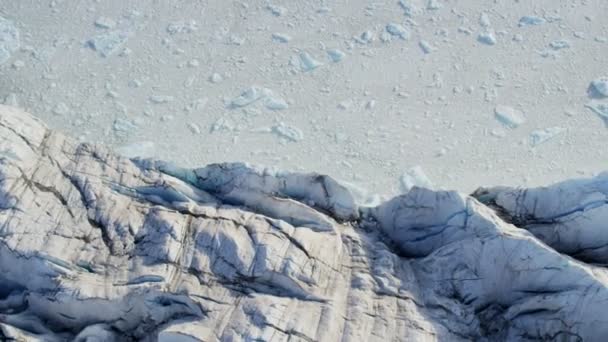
509,116
254,93
281,37
415,176
108,43
288,132
335,55
105,23
142,149
540,136
531,20
308,63
600,86
160,99
9,39
487,38
600,108
559,44
411,7
276,10
397,30
426,46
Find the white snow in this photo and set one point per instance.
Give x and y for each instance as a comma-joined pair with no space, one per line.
415,177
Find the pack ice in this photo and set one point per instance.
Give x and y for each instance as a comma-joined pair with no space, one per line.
98,247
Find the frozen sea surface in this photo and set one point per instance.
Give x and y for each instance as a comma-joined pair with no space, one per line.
359,90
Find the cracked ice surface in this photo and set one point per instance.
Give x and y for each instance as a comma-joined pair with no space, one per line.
96,246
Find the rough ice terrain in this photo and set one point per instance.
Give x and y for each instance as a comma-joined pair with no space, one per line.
360,90
98,247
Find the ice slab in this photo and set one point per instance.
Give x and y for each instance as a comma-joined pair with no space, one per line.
540,136
509,116
415,177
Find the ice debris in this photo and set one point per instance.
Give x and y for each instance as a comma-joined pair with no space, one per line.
222,125
600,86
142,149
487,38
414,177
254,94
109,42
277,11
288,132
281,37
600,108
182,27
308,63
335,55
540,136
105,23
9,39
426,46
531,20
397,30
411,7
559,44
509,116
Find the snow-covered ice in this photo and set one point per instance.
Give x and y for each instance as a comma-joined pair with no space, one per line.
9,39
509,116
540,136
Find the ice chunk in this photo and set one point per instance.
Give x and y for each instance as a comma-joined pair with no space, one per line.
9,39
308,63
215,78
194,128
105,23
600,86
487,38
426,46
397,30
433,5
60,109
531,20
335,55
484,20
281,37
411,7
415,176
273,102
109,42
160,99
123,126
288,132
142,149
276,10
600,108
182,27
222,124
559,44
247,97
509,116
542,135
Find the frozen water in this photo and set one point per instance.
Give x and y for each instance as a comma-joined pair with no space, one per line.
509,116
559,44
540,136
253,94
487,38
600,86
142,149
397,30
426,46
411,7
281,37
531,20
108,43
105,23
600,108
288,132
9,39
335,55
414,177
308,63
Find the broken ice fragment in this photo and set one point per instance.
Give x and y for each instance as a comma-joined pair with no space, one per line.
542,135
531,20
308,63
509,116
105,22
426,46
600,87
9,39
215,78
60,109
123,126
487,38
414,177
335,55
194,128
275,103
281,37
600,108
277,11
397,30
159,99
143,149
410,7
247,97
182,27
433,5
484,20
288,132
108,43
559,44
222,124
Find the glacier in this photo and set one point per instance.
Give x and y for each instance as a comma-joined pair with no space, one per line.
99,247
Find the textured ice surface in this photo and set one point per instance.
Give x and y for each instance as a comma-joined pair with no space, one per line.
600,86
531,20
540,136
108,43
9,39
397,30
415,177
97,247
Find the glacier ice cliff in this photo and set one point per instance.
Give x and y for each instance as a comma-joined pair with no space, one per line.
98,247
